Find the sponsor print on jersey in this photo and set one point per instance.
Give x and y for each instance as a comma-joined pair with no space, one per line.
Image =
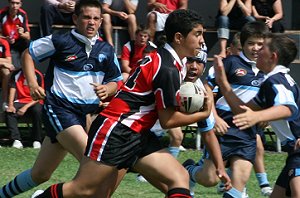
240,72
71,58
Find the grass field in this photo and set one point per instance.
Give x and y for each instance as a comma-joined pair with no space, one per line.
13,161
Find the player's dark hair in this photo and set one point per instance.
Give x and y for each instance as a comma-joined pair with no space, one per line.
182,21
285,48
86,3
255,29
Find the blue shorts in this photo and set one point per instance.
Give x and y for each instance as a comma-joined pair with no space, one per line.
115,144
233,145
59,114
289,171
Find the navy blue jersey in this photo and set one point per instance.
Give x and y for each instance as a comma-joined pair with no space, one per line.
75,62
245,80
280,89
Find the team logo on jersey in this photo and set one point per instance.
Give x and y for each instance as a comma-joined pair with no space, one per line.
240,72
101,57
71,57
88,67
257,83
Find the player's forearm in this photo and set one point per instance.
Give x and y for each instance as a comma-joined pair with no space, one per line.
272,114
111,88
233,101
211,142
169,118
29,69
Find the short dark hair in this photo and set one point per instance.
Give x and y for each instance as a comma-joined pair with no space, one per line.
285,48
86,3
256,29
142,28
182,21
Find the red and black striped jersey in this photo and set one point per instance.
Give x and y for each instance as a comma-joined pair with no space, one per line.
154,85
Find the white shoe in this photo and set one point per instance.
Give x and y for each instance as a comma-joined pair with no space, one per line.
266,191
36,145
181,148
140,178
17,144
37,193
244,193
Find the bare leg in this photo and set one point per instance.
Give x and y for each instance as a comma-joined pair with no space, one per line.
107,28
152,25
132,26
223,44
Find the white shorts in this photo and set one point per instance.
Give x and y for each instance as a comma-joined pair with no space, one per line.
160,20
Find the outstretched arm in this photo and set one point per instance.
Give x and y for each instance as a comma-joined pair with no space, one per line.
36,91
212,144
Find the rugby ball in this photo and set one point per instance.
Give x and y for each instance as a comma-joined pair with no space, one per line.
191,97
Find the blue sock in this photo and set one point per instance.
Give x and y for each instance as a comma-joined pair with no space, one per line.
174,151
262,179
18,185
232,193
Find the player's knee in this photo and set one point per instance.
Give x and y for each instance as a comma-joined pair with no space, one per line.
208,180
152,18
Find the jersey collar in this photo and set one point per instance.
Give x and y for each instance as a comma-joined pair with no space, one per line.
250,62
279,69
179,63
88,42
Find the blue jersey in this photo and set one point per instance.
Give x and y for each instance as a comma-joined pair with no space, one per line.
207,124
76,61
245,80
279,88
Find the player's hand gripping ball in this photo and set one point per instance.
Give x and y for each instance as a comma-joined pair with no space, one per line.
191,97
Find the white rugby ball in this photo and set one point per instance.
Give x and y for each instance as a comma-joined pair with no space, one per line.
191,97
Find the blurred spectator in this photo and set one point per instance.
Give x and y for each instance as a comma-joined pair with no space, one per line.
134,51
5,69
233,14
21,104
14,27
235,46
56,12
159,11
121,13
269,11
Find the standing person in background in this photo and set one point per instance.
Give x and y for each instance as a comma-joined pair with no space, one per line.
119,12
14,27
56,12
232,14
269,11
21,104
158,13
6,67
82,71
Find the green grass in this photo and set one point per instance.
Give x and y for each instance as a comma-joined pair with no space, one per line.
13,161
